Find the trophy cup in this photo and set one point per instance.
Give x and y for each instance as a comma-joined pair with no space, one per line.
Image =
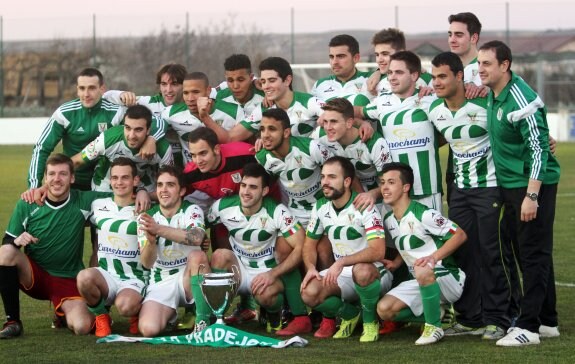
219,289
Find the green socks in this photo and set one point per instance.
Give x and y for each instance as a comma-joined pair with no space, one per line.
408,316
292,283
369,295
430,296
203,311
99,309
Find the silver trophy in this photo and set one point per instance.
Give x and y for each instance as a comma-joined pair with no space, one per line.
219,290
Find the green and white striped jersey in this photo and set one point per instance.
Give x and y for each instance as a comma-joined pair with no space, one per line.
368,158
173,257
253,238
348,229
471,73
466,133
412,140
118,252
75,126
303,113
383,86
111,145
419,233
300,171
183,122
155,103
330,87
250,105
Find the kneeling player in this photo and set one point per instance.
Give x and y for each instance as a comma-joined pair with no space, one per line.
358,246
119,278
254,222
175,230
425,240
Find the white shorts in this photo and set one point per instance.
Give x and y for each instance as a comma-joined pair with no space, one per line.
432,201
116,285
169,292
347,285
248,275
408,291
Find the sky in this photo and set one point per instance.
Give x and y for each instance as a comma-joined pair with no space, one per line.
72,19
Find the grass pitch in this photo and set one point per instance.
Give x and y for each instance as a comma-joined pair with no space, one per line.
40,343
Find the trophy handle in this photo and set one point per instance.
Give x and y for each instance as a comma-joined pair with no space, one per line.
237,277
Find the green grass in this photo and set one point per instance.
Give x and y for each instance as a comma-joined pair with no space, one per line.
40,343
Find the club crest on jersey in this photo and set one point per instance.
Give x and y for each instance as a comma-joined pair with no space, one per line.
359,154
439,220
263,221
219,122
102,127
358,86
410,224
472,116
298,113
377,222
350,217
288,220
298,160
474,73
90,151
499,114
226,191
324,154
237,177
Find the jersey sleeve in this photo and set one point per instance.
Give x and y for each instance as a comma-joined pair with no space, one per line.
380,154
51,135
286,223
319,152
530,121
438,225
95,148
370,111
214,214
158,128
315,228
252,123
17,223
194,217
314,106
373,224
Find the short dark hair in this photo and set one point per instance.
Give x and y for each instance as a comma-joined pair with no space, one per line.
124,161
92,72
391,36
197,76
256,170
279,115
176,71
345,40
238,62
448,59
405,172
140,112
278,64
205,134
59,158
469,19
502,51
412,61
341,105
172,171
345,164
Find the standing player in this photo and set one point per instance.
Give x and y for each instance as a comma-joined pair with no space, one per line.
474,203
174,229
190,115
386,43
358,244
276,78
125,140
255,222
53,239
528,174
76,123
367,158
346,81
425,240
411,137
119,278
240,84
